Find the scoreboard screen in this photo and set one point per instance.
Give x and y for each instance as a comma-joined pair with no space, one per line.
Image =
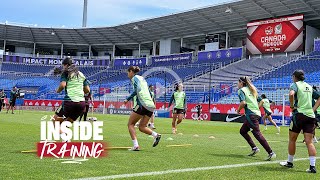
284,34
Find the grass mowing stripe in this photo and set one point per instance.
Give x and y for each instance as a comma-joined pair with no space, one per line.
187,170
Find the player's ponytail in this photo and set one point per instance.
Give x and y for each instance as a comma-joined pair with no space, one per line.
247,82
71,69
134,69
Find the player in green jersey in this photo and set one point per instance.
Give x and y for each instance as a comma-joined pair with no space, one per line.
301,96
248,96
180,104
142,109
265,103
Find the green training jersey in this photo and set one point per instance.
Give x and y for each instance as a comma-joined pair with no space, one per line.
252,106
266,105
179,99
303,98
74,88
141,92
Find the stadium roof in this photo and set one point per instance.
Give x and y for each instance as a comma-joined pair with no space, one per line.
192,25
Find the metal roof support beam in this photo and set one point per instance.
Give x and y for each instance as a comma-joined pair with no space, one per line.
139,50
113,51
4,45
210,20
61,51
55,33
34,50
188,24
130,37
89,51
262,8
166,28
32,36
309,6
84,39
289,9
104,36
240,15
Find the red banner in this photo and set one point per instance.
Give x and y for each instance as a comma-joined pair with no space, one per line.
214,108
283,34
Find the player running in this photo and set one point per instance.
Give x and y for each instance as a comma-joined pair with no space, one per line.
142,109
75,85
248,96
179,99
87,97
265,103
301,96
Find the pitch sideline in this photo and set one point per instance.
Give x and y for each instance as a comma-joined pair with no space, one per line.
186,170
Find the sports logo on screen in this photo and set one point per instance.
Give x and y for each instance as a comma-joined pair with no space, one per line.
283,34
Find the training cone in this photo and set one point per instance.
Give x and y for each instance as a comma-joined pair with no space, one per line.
169,139
180,134
196,135
211,137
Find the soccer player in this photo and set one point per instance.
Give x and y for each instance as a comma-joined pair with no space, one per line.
142,109
248,96
87,97
151,89
179,99
199,110
75,85
2,96
301,96
13,98
265,103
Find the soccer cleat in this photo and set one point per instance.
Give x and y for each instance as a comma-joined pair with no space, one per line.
271,156
315,140
152,127
278,129
156,140
312,169
254,151
137,148
286,164
174,131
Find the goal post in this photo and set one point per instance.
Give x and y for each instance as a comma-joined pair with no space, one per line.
285,102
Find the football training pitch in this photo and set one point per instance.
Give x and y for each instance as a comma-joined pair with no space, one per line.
189,154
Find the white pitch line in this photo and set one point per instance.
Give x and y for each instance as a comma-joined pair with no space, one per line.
186,170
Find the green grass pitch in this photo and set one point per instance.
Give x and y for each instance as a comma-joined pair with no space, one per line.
21,131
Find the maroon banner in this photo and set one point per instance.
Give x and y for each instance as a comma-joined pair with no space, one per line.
284,34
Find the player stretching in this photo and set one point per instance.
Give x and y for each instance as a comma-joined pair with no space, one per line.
301,96
142,109
179,98
75,85
248,100
265,103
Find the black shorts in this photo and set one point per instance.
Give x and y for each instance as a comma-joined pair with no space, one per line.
267,113
142,111
70,109
300,122
12,103
178,111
